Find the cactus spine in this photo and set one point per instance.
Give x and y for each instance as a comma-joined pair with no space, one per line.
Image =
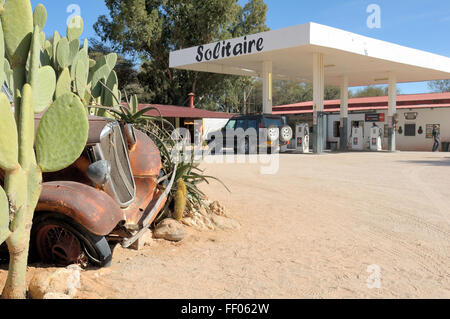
28,70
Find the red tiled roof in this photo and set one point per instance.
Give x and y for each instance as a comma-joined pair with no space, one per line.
405,101
183,112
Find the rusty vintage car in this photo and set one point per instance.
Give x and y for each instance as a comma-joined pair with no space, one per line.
110,195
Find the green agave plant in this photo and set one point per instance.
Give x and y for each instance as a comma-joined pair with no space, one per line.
160,130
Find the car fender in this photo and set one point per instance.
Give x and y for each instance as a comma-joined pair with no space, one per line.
90,207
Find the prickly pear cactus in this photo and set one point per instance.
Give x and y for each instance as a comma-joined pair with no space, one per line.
9,150
56,146
95,83
39,72
4,216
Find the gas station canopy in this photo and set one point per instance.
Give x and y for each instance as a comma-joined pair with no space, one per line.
322,55
364,60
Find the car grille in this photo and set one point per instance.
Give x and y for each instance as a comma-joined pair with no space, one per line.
112,148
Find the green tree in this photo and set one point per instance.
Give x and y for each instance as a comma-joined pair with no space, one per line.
151,29
439,86
369,91
288,92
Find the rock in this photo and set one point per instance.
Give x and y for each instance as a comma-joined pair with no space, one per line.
199,221
225,223
170,229
145,240
61,282
217,209
203,211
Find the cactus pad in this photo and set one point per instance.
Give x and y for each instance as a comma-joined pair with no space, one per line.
44,88
81,75
112,85
26,128
64,83
17,21
56,38
74,46
2,54
111,60
62,53
40,16
35,56
62,133
75,28
9,149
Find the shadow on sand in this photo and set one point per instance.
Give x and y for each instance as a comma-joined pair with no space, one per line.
437,162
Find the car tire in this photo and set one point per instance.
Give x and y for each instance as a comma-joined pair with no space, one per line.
57,239
273,133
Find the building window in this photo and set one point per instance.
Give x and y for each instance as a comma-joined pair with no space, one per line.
410,129
336,129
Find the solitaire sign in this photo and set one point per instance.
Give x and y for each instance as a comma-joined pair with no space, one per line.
225,49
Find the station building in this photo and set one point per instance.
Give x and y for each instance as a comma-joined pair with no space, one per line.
417,115
324,55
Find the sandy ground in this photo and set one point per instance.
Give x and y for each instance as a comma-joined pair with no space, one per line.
309,231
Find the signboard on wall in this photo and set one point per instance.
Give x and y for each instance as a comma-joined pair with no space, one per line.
430,130
411,116
375,117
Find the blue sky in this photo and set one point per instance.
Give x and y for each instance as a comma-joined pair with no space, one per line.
420,24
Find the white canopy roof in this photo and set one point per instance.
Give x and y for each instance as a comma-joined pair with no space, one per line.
364,60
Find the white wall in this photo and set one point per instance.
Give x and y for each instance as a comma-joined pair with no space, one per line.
404,143
426,116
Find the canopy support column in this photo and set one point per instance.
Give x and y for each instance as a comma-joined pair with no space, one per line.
392,111
318,92
267,87
344,114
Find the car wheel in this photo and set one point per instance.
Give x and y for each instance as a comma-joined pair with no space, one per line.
61,241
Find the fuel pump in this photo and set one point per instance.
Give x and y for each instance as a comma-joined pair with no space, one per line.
302,137
357,138
376,138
